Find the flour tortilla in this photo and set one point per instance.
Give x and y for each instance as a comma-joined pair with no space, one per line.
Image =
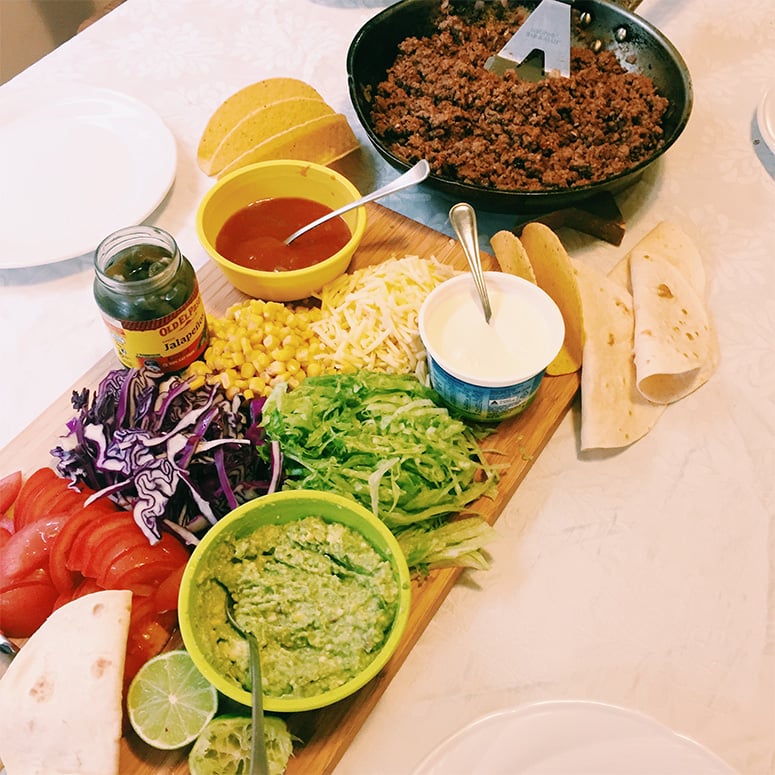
613,412
675,346
60,699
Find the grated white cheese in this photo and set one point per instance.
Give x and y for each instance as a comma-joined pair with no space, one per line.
369,317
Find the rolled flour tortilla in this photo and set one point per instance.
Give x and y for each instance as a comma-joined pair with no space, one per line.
60,699
675,347
613,412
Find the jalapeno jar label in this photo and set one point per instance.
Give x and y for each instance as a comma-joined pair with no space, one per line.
165,344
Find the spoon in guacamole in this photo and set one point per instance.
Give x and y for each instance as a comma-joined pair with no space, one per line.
258,759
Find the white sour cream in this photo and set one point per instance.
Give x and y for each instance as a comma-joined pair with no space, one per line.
524,334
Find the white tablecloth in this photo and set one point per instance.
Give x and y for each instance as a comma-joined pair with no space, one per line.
642,577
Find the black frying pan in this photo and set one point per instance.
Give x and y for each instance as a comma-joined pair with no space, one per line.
638,45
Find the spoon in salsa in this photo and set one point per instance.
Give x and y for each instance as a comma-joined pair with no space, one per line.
411,177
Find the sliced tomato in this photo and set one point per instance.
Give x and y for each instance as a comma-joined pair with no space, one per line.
126,538
167,551
142,572
148,635
5,535
47,493
173,547
9,490
35,576
83,587
82,551
86,587
28,548
65,578
35,484
166,596
142,608
25,606
60,499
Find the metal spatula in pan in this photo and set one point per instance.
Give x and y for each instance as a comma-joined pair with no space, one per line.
546,31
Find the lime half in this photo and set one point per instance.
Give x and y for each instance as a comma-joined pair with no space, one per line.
223,748
169,702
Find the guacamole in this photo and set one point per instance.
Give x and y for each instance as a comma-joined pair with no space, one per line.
318,597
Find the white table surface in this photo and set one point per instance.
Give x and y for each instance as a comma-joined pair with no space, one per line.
642,577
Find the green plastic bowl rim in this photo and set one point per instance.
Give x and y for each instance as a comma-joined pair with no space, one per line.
335,505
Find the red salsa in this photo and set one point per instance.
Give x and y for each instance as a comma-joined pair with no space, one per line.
254,236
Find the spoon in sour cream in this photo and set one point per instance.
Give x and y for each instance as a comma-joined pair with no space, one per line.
463,220
411,177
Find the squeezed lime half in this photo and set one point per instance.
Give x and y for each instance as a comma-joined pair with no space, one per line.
223,748
169,701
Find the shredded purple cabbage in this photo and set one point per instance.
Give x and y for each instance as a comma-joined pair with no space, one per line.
175,457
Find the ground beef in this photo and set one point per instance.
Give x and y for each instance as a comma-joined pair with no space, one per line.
438,102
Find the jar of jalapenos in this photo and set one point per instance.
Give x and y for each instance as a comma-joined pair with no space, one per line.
148,294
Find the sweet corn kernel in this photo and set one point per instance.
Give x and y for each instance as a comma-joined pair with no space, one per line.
257,385
198,368
258,344
197,382
262,360
282,354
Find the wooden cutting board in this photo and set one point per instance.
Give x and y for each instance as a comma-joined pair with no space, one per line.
326,733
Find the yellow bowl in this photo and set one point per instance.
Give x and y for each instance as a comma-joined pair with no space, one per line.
281,178
196,599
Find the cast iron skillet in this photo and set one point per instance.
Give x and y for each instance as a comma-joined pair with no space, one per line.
638,45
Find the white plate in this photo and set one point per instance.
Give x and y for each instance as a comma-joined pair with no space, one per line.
76,163
765,118
569,738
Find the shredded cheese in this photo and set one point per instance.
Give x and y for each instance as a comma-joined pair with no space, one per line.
369,318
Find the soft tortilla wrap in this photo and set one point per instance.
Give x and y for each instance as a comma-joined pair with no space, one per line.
675,346
60,699
613,412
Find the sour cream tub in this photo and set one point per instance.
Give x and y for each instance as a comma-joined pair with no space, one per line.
489,371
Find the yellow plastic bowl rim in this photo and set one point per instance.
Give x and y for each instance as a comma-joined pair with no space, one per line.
357,224
268,509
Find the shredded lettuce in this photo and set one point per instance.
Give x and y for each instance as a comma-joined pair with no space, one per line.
174,456
455,543
383,439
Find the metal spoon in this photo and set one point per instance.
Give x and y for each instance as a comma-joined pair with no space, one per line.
7,652
463,220
258,761
411,177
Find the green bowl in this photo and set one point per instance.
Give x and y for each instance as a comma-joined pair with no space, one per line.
280,508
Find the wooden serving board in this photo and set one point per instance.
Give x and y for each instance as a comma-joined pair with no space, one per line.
326,733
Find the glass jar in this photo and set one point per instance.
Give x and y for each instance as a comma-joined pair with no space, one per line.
148,294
